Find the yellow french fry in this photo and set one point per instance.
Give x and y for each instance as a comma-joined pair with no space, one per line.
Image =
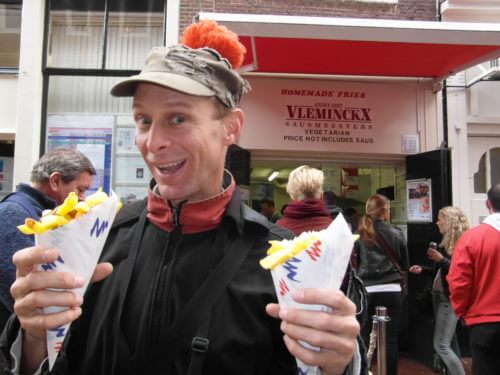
275,246
81,208
31,226
53,221
68,205
70,209
98,197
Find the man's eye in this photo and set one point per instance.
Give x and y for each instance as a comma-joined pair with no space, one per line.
142,121
177,119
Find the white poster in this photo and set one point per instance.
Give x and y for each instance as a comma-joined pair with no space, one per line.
125,140
332,179
89,134
131,169
419,200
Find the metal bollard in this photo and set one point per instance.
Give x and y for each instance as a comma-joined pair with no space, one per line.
380,319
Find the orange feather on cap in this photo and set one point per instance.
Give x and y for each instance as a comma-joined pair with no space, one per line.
208,33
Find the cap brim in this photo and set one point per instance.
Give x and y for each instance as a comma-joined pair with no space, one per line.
172,81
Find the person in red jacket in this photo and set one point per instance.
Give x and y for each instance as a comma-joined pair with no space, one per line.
307,211
473,280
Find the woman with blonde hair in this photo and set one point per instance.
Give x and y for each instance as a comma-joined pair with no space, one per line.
307,210
451,223
382,255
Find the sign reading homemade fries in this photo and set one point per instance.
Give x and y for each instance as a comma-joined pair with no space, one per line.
77,230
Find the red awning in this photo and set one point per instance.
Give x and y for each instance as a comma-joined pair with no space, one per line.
361,47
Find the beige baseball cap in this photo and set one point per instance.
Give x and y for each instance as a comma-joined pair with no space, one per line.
200,72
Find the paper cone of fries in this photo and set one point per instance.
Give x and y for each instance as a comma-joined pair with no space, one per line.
311,260
79,243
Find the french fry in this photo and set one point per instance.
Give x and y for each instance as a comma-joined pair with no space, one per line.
68,205
69,210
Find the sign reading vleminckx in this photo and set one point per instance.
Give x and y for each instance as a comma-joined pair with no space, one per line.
340,116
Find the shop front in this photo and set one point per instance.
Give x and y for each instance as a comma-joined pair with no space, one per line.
362,101
359,99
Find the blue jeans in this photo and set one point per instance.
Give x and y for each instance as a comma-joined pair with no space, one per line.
444,329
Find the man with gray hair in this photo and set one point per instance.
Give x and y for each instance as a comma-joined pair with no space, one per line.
53,177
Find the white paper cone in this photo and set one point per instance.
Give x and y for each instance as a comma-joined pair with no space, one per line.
322,265
79,244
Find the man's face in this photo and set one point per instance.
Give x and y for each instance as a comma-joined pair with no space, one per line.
266,210
79,185
182,142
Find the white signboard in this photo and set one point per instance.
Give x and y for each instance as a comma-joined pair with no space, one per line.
419,200
332,116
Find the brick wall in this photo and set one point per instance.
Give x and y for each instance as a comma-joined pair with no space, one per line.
421,10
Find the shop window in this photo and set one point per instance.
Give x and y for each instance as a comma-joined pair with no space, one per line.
82,114
10,32
488,171
103,34
6,167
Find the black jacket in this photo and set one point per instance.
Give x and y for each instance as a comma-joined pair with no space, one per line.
123,324
444,266
374,265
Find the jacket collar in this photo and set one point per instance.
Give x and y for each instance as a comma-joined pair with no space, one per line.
237,214
194,217
306,208
41,199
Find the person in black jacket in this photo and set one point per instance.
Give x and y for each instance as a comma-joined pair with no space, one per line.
451,223
157,312
382,256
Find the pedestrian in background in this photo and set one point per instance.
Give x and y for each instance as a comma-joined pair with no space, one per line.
382,257
474,280
307,210
268,209
53,177
451,223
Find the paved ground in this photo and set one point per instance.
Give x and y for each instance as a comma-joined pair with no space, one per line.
407,366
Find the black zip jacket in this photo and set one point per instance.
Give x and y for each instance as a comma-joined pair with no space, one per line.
444,266
124,323
374,265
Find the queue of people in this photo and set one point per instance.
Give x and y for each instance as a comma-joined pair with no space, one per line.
381,258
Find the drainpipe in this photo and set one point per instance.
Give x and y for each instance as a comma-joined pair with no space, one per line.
444,99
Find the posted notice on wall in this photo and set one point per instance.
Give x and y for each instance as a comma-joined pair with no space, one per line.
419,200
89,134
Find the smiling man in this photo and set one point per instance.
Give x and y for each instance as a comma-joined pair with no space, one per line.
187,294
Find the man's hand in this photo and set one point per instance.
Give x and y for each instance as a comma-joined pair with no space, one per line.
415,269
334,333
31,292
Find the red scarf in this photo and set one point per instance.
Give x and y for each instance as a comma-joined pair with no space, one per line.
194,216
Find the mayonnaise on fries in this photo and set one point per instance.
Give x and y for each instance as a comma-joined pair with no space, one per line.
281,251
70,209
